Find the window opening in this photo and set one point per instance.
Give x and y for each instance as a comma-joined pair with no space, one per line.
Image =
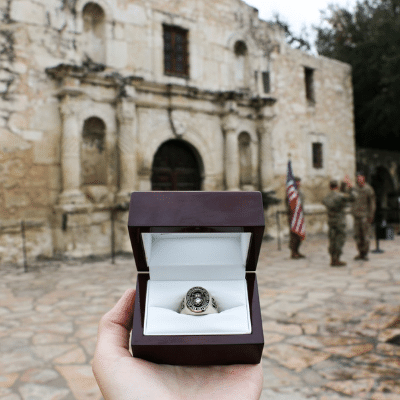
176,58
317,155
240,50
309,82
266,82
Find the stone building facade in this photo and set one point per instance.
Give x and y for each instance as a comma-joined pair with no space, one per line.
101,98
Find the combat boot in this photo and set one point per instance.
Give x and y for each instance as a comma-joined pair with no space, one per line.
336,263
361,256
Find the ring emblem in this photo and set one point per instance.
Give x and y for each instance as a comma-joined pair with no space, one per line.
197,299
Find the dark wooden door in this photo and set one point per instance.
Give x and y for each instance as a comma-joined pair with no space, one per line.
175,168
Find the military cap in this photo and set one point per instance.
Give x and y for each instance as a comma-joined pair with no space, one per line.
333,183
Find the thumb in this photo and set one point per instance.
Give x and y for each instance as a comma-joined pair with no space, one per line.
115,326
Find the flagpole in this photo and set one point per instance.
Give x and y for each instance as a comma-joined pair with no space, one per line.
279,230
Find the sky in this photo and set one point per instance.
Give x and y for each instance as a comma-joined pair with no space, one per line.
296,12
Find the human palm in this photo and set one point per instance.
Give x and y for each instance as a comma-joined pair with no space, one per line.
123,377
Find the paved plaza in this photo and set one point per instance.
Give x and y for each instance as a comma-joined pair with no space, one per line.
326,329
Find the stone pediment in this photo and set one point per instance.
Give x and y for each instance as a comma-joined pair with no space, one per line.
91,72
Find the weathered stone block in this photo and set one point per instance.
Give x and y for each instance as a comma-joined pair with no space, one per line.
136,14
101,218
46,117
16,198
54,177
47,151
119,31
18,122
97,193
28,11
117,54
33,136
5,75
3,87
39,196
139,58
19,102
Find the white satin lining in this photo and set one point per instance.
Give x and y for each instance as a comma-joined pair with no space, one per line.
164,298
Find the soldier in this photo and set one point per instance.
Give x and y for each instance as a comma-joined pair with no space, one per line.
363,211
335,202
295,240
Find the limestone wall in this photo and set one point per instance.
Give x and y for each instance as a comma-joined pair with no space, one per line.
299,123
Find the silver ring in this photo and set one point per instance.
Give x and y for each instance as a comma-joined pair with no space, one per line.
198,302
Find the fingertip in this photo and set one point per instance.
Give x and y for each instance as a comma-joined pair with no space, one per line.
121,314
129,295
115,326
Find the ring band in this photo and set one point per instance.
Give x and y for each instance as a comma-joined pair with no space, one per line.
198,302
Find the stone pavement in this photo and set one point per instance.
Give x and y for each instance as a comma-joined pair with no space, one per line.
326,329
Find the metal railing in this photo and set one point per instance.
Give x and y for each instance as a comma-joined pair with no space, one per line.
382,220
283,212
23,226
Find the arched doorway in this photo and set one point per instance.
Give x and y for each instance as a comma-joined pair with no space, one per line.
384,189
176,166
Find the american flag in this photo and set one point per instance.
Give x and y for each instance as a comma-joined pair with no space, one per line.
297,224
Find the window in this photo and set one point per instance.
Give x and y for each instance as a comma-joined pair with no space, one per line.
309,82
176,58
240,50
266,82
317,156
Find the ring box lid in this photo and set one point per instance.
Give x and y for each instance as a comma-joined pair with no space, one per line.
169,215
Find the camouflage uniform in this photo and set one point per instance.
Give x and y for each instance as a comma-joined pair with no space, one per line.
336,202
363,211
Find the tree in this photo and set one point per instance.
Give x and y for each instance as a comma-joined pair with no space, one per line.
295,41
369,40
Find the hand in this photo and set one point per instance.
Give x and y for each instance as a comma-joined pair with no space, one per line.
123,377
347,181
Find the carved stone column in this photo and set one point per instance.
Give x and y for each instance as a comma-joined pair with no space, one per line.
70,154
266,150
127,144
231,156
